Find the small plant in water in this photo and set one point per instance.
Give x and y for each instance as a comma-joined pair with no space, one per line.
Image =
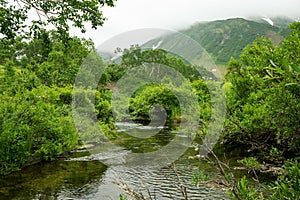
123,197
250,163
199,177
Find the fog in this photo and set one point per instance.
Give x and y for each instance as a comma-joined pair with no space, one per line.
174,14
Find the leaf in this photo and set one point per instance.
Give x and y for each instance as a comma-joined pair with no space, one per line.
288,84
269,73
295,68
272,63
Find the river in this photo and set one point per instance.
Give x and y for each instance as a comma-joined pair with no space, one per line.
98,175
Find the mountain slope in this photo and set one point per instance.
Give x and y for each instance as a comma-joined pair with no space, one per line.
281,22
224,39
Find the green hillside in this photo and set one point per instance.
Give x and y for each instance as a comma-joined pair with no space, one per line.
281,21
224,39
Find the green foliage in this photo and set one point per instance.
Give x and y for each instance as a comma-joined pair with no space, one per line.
36,75
62,63
288,185
263,90
34,126
60,14
112,73
146,98
199,177
15,80
244,191
263,98
89,102
135,56
54,62
37,69
204,99
250,163
123,197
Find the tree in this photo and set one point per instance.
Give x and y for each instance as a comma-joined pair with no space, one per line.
263,89
35,125
61,14
37,68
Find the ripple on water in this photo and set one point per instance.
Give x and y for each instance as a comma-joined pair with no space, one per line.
93,176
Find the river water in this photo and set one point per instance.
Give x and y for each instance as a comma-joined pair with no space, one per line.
97,175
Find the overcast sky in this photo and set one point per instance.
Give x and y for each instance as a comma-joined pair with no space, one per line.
175,14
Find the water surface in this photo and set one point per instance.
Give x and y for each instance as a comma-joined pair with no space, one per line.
97,175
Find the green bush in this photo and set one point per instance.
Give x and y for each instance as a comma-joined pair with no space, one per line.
34,127
263,98
288,185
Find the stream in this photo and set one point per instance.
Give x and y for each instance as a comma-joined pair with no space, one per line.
88,175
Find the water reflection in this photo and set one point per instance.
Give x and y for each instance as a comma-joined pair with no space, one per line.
55,180
87,177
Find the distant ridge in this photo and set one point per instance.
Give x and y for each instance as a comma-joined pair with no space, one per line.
280,22
224,39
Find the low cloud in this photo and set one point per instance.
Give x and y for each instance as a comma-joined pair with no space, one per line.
170,14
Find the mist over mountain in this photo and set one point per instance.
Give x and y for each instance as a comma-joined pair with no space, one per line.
224,39
227,38
280,21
